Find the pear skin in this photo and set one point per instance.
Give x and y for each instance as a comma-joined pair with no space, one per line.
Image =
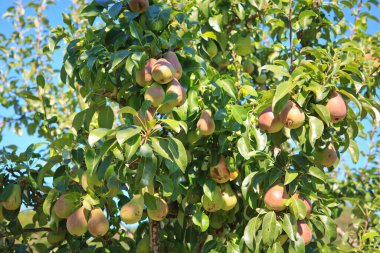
269,122
76,223
206,124
156,94
220,173
173,59
337,107
275,198
292,116
132,212
98,224
229,197
64,206
163,71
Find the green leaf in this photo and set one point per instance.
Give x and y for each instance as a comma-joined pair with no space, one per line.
269,226
167,185
322,112
52,195
209,188
315,130
278,71
283,90
135,30
216,22
250,232
297,208
147,170
317,173
289,177
150,201
244,147
201,220
172,124
178,153
289,226
118,58
276,248
115,10
330,227
41,81
127,110
161,147
228,86
106,117
125,133
209,34
305,18
131,146
97,134
78,120
239,113
353,149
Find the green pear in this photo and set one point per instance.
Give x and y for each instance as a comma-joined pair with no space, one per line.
13,200
132,212
326,157
173,59
243,45
215,204
76,223
143,246
248,66
229,197
55,237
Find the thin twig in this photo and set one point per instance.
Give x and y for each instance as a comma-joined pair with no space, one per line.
291,35
353,30
26,230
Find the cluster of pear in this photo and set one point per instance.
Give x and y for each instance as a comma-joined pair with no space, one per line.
156,73
77,223
13,201
132,211
224,197
138,5
276,199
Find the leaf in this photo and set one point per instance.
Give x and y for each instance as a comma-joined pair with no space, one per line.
239,113
209,188
289,177
305,18
276,248
147,170
172,124
178,152
297,208
228,86
78,120
131,146
209,34
283,89
269,226
118,58
106,117
216,22
160,146
353,149
278,71
317,173
315,130
127,110
167,185
244,147
201,220
41,81
52,195
322,112
135,30
115,10
97,134
288,225
125,133
330,227
250,232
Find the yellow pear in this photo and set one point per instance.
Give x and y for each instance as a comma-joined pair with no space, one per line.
144,76
76,223
156,94
229,197
212,205
132,211
161,210
220,173
292,116
98,224
13,201
64,206
162,71
205,124
173,59
176,88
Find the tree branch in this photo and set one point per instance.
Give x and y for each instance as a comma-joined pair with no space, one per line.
353,30
154,231
27,230
291,35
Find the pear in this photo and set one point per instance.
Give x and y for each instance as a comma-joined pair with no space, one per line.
138,5
234,174
144,76
205,124
176,88
292,116
65,206
337,107
156,94
304,200
261,79
269,122
248,66
220,173
163,71
326,157
76,223
275,198
161,210
13,201
143,246
212,205
229,197
173,59
55,237
98,224
243,45
304,231
132,212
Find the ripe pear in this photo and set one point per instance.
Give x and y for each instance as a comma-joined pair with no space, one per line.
143,246
304,231
292,116
55,237
76,223
229,197
64,206
173,59
212,205
211,48
276,197
162,71
160,212
176,88
337,107
220,173
144,76
156,94
269,122
13,201
248,66
98,224
138,5
205,124
304,200
132,211
144,119
326,157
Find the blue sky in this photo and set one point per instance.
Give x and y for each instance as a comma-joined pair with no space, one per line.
55,18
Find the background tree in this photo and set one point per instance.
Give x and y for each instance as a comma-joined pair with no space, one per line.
216,125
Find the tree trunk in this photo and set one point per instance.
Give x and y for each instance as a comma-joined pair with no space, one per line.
154,230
